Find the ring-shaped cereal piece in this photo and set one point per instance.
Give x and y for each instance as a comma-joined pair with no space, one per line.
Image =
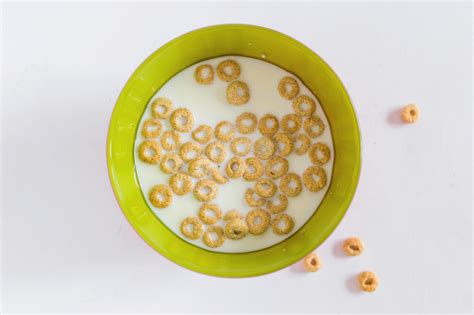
160,196
181,183
288,224
276,167
288,88
205,190
313,126
312,184
218,240
235,167
223,135
149,152
265,187
268,125
237,144
202,134
280,207
304,105
151,128
254,169
319,153
291,123
228,70
218,177
291,185
236,229
251,201
312,262
238,93
284,143
161,108
195,232
410,113
232,215
190,151
368,281
171,163
210,219
353,246
170,140
301,143
246,123
258,221
216,151
199,167
264,148
204,74
182,120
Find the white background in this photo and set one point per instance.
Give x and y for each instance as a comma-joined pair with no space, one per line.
66,245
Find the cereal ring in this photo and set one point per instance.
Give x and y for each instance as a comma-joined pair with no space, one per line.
301,143
237,144
173,136
288,88
304,105
353,246
258,221
196,228
228,70
238,93
312,262
199,167
202,134
232,215
313,126
216,151
284,143
290,185
236,229
276,167
368,281
291,123
265,187
410,113
151,128
204,215
251,201
312,184
218,240
224,131
171,163
182,120
190,151
288,224
235,167
149,152
161,108
205,190
204,74
218,177
161,196
246,123
181,183
253,170
280,207
268,125
264,148
319,153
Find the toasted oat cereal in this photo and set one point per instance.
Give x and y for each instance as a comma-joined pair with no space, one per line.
304,105
313,126
246,123
258,221
319,153
228,70
161,196
268,125
236,229
276,167
204,74
151,128
224,131
199,167
240,146
170,140
265,187
280,207
284,143
353,246
181,183
202,134
368,281
232,215
288,88
190,151
235,167
205,190
291,123
218,177
301,143
182,120
216,241
238,93
291,185
251,201
171,163
312,184
264,148
312,262
410,113
253,170
282,224
204,215
149,152
216,151
161,108
196,228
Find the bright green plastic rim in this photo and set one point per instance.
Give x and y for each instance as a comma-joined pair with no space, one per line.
211,42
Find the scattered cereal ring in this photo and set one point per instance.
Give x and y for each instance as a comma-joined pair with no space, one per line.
171,163
224,131
304,105
246,123
199,167
264,148
258,221
319,153
218,177
312,262
290,185
235,167
353,246
228,70
284,143
286,220
161,196
190,151
280,207
276,167
288,88
181,183
149,152
236,229
240,146
196,228
202,134
216,151
170,140
161,108
410,113
301,143
265,187
238,93
205,190
182,120
312,184
249,197
151,128
368,281
206,217
253,170
291,123
268,125
232,215
313,126
219,236
204,74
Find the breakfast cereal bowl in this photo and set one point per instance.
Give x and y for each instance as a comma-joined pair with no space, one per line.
241,41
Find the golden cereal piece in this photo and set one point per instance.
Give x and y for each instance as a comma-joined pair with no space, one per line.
228,70
196,228
206,217
205,190
264,148
246,123
204,74
216,151
312,184
291,185
304,105
181,183
224,131
171,163
276,167
280,207
218,177
238,93
161,196
199,167
301,143
258,221
236,229
219,236
288,88
170,140
149,152
284,143
312,262
253,170
232,215
313,126
240,146
251,201
151,128
410,113
268,125
265,187
235,167
202,134
161,108
288,224
319,153
182,120
190,151
291,123
353,246
368,281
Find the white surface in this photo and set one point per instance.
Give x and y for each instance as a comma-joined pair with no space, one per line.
66,245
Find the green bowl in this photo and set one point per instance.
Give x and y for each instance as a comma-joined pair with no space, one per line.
250,41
